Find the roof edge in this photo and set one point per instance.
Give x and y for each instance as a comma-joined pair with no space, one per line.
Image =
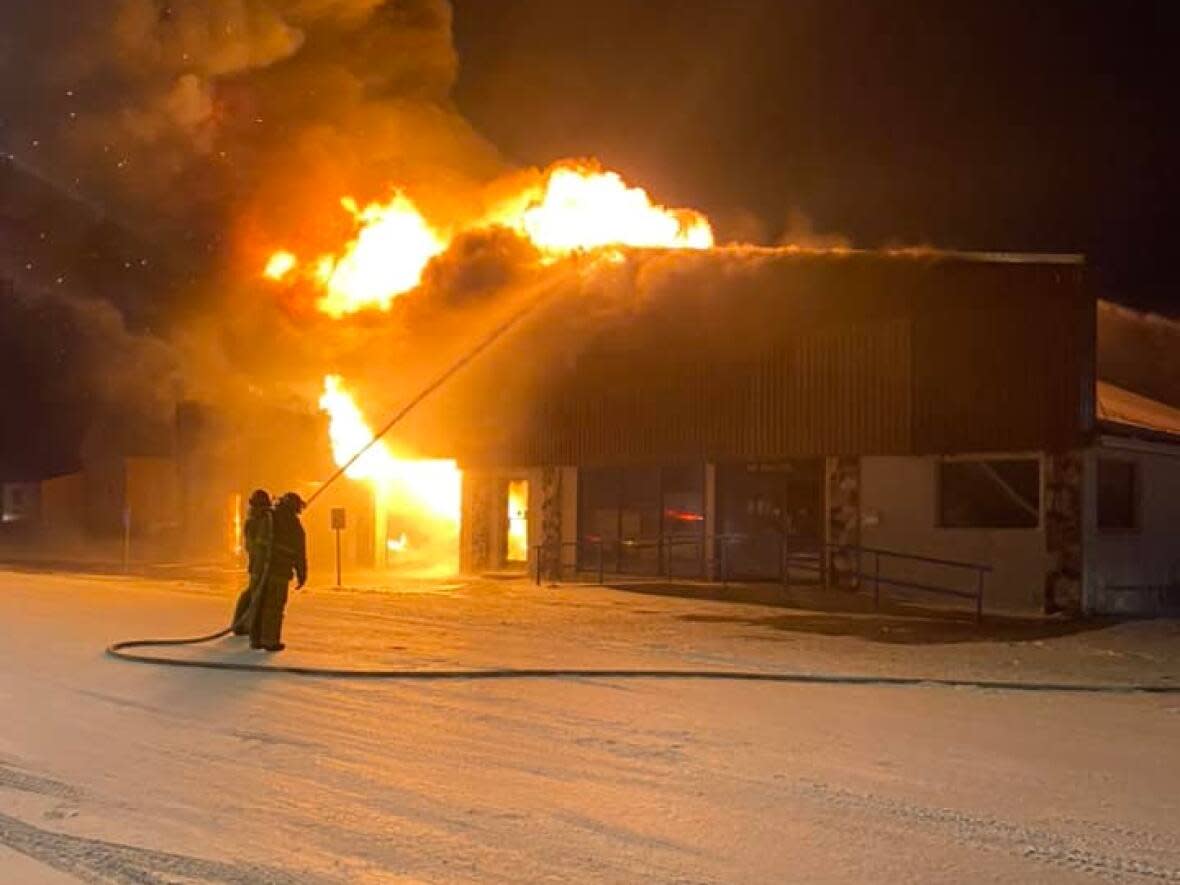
1072,259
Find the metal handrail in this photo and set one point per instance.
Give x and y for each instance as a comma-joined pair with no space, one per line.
788,560
980,570
917,557
664,543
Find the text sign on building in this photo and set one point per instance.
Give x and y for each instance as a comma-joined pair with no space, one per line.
339,519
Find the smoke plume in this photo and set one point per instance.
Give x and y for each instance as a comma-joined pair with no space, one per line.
202,113
73,373
204,131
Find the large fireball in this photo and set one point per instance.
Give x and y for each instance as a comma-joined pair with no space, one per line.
576,207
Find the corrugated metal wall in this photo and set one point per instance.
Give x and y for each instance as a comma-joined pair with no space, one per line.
845,391
824,356
1005,362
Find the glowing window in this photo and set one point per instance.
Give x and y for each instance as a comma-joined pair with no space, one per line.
517,537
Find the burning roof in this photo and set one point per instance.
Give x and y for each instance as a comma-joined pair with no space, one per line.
573,207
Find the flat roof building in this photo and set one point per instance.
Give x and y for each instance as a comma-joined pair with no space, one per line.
765,414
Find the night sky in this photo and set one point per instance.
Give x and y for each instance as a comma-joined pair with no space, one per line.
1030,126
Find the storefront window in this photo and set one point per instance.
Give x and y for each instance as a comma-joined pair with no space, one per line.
989,494
647,520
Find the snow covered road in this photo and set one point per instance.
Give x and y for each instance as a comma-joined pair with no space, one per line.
113,772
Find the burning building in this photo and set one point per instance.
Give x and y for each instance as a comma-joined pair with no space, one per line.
765,414
671,408
677,409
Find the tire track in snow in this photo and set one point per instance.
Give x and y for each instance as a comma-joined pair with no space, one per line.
98,861
13,779
1032,843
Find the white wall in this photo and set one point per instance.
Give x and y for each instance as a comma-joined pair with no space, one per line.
899,512
1149,556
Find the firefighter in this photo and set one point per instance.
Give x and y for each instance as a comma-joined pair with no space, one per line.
256,538
288,557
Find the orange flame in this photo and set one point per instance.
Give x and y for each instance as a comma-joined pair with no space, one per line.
236,524
424,494
391,250
576,207
581,207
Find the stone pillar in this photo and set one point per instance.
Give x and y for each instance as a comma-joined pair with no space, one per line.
476,527
843,527
1064,475
550,527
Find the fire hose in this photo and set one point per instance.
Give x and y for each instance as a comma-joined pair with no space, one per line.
120,650
123,650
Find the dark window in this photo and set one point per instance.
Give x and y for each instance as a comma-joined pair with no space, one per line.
770,511
991,494
639,521
598,503
1117,494
642,520
640,503
684,520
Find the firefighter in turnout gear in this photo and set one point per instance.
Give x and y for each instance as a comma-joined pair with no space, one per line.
288,557
257,531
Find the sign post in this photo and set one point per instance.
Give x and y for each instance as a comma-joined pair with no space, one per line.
339,523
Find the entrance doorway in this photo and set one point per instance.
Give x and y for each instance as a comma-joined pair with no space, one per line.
770,511
516,535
